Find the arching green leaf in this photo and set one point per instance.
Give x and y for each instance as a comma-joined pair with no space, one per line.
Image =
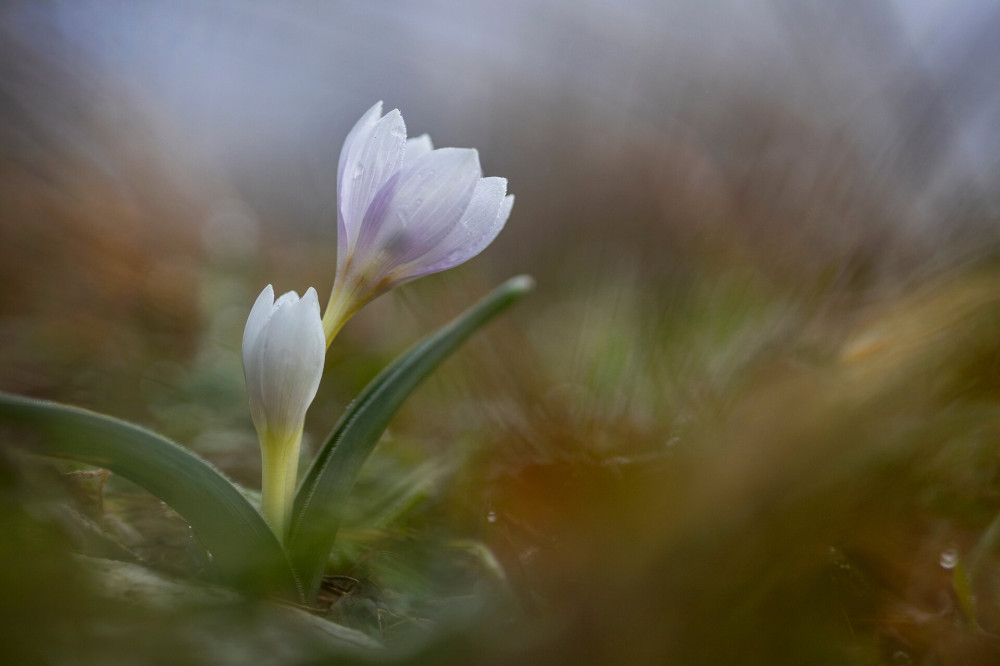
245,553
316,516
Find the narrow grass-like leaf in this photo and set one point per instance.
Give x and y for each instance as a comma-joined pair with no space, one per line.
245,553
324,488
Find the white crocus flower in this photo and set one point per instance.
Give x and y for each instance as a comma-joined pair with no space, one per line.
283,350
405,210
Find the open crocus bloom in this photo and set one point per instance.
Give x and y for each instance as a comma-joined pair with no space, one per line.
405,210
283,351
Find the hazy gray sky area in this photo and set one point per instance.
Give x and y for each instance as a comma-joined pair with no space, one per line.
267,89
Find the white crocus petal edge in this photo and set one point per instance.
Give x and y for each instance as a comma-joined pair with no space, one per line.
505,209
256,323
416,147
259,313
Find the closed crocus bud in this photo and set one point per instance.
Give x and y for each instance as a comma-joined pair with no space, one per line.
283,350
405,210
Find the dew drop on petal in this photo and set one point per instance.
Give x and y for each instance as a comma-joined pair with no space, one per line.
949,559
491,516
359,170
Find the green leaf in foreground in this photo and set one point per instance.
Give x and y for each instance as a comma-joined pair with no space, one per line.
316,516
245,553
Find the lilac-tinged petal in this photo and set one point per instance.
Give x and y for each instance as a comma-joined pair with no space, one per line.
353,145
480,223
374,155
417,209
356,140
478,240
421,212
416,147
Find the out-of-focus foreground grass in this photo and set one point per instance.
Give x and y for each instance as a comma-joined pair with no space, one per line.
748,416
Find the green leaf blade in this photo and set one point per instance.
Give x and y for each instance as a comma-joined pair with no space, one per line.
245,552
315,517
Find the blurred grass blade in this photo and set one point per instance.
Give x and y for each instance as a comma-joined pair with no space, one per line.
316,515
963,591
244,551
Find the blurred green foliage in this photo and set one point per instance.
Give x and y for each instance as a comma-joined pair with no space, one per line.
719,473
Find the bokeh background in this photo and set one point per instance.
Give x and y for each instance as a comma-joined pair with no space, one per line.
749,415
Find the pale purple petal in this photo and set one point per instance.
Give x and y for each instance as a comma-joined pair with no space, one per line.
480,223
353,145
416,147
356,139
414,211
417,208
370,157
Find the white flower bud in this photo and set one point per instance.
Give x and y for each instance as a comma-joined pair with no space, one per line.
283,350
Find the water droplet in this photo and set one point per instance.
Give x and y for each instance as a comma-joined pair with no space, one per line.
839,560
418,202
900,657
359,170
491,516
949,559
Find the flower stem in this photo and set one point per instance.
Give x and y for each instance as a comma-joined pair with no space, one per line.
339,309
280,464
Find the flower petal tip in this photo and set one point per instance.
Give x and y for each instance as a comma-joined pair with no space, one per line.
521,284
